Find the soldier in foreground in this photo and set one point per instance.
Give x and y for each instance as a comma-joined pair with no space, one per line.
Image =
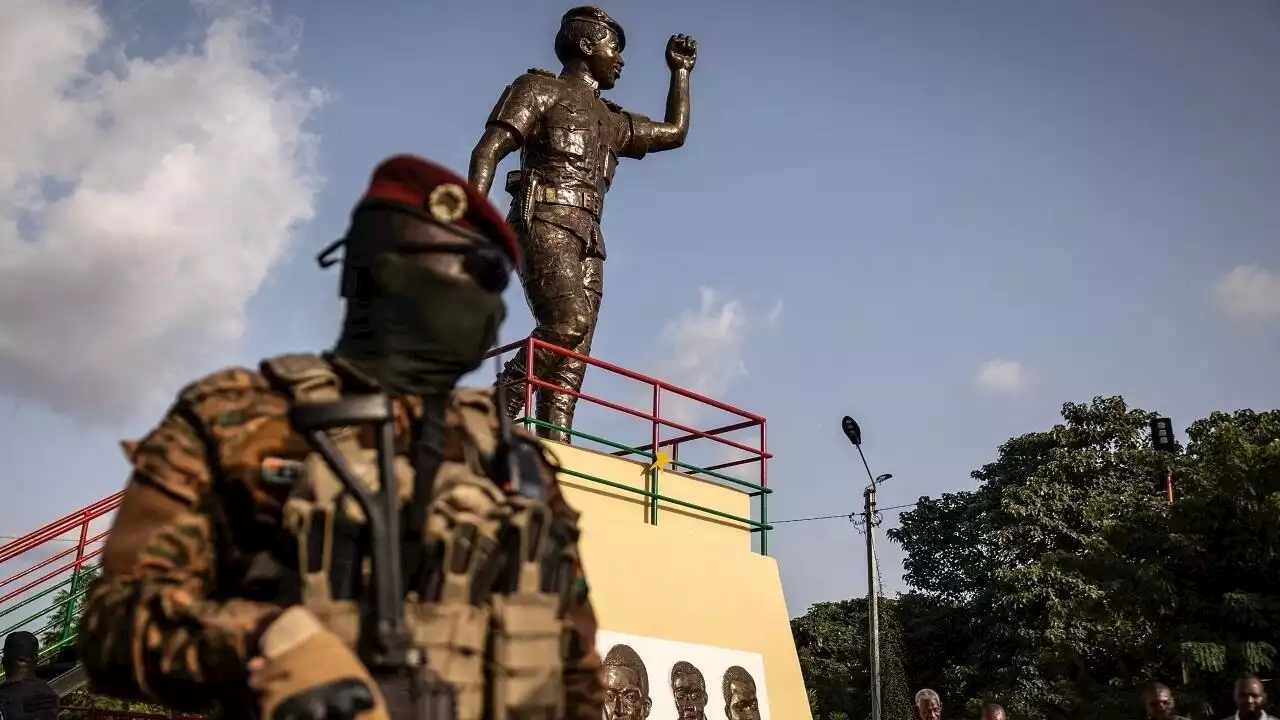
570,140
237,569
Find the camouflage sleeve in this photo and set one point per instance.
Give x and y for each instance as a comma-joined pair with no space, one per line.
150,628
523,103
584,686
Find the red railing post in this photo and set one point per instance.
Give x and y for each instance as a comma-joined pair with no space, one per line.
68,620
656,448
528,381
764,487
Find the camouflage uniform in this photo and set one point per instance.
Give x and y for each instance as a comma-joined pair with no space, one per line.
183,599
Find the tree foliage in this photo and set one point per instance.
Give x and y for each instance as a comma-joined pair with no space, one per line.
832,643
66,608
1065,579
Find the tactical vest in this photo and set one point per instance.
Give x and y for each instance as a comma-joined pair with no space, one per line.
502,648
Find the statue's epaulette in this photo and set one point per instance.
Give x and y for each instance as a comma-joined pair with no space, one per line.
615,107
543,73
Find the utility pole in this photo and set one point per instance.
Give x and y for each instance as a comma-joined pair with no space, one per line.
854,434
873,602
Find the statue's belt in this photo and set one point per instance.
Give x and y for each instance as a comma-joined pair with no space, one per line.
587,200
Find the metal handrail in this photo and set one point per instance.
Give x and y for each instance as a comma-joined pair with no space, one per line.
77,558
760,454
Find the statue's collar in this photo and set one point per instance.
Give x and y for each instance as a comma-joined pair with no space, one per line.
582,78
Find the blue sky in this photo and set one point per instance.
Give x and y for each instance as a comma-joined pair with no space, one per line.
879,197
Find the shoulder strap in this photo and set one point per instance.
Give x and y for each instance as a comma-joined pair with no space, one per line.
306,378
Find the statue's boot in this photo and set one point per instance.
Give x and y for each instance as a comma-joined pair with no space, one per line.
513,375
556,408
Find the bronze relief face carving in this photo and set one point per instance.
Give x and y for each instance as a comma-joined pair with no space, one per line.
626,685
739,688
689,690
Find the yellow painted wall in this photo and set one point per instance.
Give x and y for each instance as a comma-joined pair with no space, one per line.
691,578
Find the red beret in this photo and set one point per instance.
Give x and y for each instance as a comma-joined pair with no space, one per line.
449,199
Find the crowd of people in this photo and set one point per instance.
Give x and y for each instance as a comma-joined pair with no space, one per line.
1249,694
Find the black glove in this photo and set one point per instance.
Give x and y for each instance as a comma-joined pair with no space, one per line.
338,700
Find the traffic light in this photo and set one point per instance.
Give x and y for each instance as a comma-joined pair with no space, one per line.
1162,435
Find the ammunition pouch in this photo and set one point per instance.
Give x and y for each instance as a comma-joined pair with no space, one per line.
447,614
529,628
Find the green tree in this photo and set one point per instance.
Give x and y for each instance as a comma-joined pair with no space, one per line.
1213,593
1025,561
88,699
831,639
1064,580
66,606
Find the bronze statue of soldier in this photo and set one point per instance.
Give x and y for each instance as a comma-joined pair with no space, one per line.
570,140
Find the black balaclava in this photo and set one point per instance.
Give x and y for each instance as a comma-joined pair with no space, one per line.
413,329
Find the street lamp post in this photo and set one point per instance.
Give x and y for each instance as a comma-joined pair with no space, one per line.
1162,440
854,434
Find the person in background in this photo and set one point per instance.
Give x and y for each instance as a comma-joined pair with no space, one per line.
928,705
993,711
23,696
1157,700
1251,699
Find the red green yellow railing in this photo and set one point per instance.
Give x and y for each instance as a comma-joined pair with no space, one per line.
63,575
651,451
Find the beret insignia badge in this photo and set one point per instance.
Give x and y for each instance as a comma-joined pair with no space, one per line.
447,203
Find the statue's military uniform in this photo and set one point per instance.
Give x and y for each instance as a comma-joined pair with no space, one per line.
571,140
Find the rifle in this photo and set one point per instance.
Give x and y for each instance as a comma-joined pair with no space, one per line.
515,466
389,650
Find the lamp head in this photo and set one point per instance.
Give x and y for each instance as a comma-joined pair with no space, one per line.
851,430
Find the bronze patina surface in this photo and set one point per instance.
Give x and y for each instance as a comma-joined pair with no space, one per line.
570,139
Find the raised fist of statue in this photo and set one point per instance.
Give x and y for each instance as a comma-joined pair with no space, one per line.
682,52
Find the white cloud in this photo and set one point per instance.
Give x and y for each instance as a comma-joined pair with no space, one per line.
1248,293
704,349
142,201
775,315
1003,376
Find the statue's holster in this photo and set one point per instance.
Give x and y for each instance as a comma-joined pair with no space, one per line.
522,185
